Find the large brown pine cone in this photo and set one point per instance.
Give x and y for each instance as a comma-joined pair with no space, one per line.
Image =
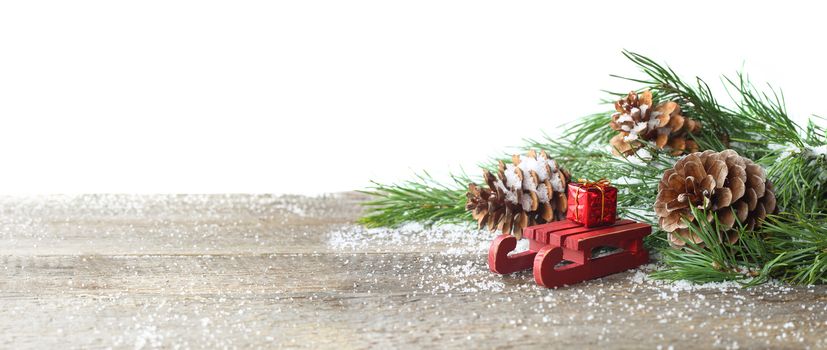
724,183
636,120
530,191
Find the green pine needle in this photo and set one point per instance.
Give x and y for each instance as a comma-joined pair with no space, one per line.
421,200
715,260
798,242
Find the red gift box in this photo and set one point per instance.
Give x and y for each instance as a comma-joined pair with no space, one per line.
592,203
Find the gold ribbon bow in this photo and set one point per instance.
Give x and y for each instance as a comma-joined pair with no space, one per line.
586,185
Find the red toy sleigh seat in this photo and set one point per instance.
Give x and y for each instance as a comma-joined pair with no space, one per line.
552,243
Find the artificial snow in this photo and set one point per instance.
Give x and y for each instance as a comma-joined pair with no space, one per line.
446,249
510,196
447,238
455,262
526,166
542,193
415,270
819,150
526,203
463,251
639,127
625,117
643,109
641,276
653,119
640,157
513,180
633,133
557,184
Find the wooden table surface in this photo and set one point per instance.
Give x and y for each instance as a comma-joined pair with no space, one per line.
237,271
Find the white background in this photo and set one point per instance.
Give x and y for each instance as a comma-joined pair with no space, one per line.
312,97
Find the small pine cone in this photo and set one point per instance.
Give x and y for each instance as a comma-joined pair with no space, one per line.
636,120
529,191
724,183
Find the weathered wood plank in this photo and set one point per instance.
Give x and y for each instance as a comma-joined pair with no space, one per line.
242,271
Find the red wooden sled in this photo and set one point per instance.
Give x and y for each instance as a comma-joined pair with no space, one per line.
551,244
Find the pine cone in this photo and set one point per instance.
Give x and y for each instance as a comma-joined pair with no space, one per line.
721,182
530,191
637,120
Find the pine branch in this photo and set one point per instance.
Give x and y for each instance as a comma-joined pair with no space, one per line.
421,200
790,246
590,130
715,260
765,114
816,134
798,242
800,179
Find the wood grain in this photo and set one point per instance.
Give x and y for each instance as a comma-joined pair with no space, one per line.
240,271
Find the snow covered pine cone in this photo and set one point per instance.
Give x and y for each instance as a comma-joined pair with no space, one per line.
636,119
721,182
530,191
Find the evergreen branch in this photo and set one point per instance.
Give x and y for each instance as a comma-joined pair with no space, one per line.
799,244
714,260
420,200
767,116
816,134
590,130
790,246
800,179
